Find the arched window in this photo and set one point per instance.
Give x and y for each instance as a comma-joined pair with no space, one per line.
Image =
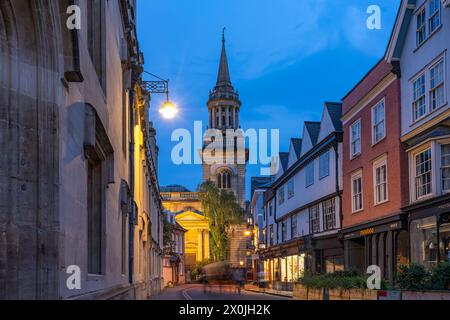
224,179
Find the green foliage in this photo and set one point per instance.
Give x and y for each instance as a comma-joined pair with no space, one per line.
350,279
222,210
198,270
440,277
413,277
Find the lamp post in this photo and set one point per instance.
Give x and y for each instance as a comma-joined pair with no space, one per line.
161,86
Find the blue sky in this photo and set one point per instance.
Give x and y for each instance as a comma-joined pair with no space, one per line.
286,57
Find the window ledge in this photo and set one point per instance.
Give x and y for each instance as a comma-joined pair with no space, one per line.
381,203
353,157
379,141
358,211
428,115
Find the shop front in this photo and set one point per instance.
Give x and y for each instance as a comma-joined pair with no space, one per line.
285,264
384,243
328,254
429,224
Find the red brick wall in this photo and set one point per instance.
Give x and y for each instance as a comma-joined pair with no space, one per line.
397,164
370,80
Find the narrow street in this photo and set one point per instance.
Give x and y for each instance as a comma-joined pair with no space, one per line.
197,292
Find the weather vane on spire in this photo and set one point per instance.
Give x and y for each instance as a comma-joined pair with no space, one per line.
223,34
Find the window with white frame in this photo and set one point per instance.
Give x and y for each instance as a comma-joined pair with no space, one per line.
291,191
309,174
437,85
378,122
419,104
324,165
357,195
434,21
329,214
445,167
281,195
423,174
380,177
355,138
421,32
314,219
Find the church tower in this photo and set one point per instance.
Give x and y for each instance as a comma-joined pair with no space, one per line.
224,107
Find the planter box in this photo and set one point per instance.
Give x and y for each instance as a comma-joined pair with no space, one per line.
363,294
300,292
338,294
315,294
427,295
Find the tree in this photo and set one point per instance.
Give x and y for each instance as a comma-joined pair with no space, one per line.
222,210
168,242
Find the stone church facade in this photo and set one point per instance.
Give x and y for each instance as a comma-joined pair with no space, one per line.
78,160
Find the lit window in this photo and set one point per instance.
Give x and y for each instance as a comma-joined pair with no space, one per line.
310,174
291,190
357,196
355,138
419,107
437,85
329,214
445,167
423,177
381,194
420,28
314,219
435,15
324,165
379,120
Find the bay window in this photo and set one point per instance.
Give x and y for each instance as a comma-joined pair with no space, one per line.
445,167
314,219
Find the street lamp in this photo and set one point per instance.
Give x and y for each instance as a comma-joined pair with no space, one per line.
161,86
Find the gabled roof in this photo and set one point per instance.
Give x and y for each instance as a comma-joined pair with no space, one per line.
335,111
313,129
297,144
400,30
284,160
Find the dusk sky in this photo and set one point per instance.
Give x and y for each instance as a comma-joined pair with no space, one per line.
286,57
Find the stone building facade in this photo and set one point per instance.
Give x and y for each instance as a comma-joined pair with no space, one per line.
78,163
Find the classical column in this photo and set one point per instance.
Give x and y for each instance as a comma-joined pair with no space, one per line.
206,237
233,118
199,245
227,117
220,117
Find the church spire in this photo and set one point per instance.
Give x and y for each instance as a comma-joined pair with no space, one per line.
223,77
